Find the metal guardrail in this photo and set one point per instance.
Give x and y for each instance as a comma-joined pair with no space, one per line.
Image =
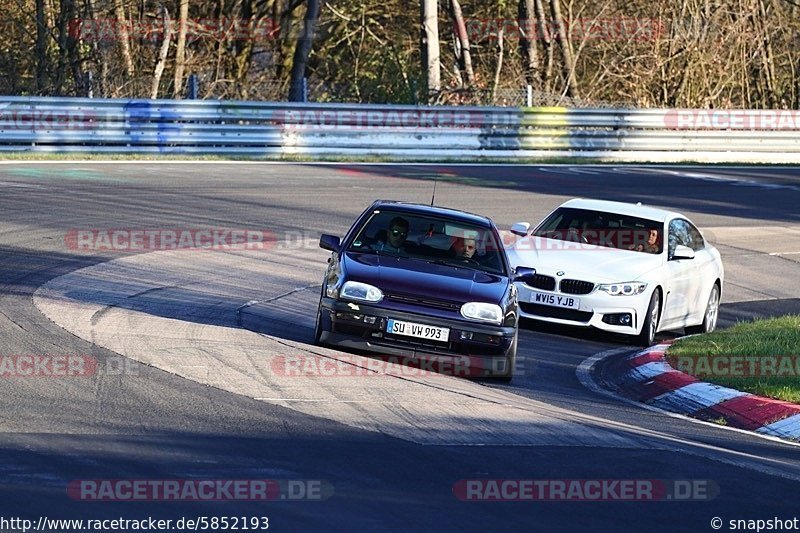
261,129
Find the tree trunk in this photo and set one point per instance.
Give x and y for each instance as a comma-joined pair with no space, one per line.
768,59
544,31
99,54
464,57
180,50
302,51
124,37
283,29
527,42
62,23
500,53
244,51
431,63
72,49
566,50
42,64
162,54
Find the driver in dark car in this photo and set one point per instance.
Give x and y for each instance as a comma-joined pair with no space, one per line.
463,247
395,236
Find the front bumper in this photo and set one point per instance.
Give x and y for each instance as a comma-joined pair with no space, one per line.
597,309
484,347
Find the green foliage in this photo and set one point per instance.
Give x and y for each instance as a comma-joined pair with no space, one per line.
774,369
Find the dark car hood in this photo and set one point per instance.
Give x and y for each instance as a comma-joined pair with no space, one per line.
419,278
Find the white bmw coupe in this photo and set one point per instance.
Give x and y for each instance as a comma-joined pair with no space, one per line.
618,267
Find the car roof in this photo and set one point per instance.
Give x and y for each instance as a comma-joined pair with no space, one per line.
422,209
623,208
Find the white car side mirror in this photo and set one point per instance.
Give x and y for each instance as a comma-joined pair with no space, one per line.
521,229
683,252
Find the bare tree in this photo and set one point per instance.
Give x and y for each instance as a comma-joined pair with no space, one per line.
527,42
499,66
67,51
431,62
462,39
566,50
124,36
180,50
42,63
771,97
302,51
162,54
544,31
100,54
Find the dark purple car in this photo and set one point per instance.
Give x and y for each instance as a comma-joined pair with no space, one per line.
422,282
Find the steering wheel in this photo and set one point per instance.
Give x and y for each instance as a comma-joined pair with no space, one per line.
581,238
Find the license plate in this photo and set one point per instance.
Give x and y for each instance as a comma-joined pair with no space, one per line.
555,300
421,331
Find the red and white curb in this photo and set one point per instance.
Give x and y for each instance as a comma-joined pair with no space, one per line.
646,377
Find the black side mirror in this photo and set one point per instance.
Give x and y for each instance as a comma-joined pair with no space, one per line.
521,272
330,242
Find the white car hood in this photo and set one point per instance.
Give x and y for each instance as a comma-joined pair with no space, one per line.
598,264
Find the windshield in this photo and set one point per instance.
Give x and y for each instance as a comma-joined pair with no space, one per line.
600,228
446,241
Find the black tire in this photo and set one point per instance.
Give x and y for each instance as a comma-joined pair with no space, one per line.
710,316
318,325
648,334
511,362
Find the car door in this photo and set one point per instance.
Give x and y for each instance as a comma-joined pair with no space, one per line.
679,290
704,273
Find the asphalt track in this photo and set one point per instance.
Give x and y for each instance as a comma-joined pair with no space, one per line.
194,397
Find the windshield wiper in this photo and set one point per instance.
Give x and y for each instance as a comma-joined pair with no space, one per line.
455,264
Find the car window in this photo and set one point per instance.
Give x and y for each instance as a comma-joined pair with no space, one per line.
698,243
427,238
600,228
684,233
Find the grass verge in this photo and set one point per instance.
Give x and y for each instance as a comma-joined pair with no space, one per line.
760,357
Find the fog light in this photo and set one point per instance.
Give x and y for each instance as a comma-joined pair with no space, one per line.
466,335
369,319
618,319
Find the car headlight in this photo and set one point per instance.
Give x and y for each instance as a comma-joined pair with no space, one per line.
626,288
483,312
364,292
